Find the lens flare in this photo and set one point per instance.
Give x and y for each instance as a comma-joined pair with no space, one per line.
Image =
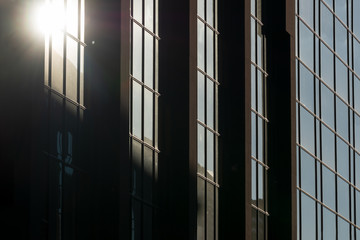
50,17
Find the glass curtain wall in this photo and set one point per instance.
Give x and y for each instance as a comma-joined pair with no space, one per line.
259,123
207,85
64,90
328,119
143,117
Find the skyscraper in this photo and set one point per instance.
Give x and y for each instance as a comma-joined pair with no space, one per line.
164,119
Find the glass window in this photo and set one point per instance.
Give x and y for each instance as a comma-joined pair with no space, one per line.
342,158
306,87
341,80
210,52
328,147
308,223
201,149
306,46
307,173
307,130
137,52
306,9
343,198
327,106
341,40
201,46
327,65
201,97
329,225
341,9
342,118
328,187
326,27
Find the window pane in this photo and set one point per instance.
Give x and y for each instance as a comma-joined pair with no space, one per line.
328,147
341,40
328,187
342,118
149,14
306,87
137,10
210,12
137,111
341,80
210,155
201,97
307,173
148,116
201,149
201,46
210,213
72,17
343,198
342,158
327,106
210,52
326,25
57,62
201,209
306,46
306,11
210,103
137,52
308,218
340,10
327,65
201,8
149,60
137,169
71,69
307,130
329,225
253,182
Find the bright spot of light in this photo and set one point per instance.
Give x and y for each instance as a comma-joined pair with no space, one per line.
50,17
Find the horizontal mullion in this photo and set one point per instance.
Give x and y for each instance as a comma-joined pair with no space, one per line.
260,210
144,143
260,115
260,162
208,180
208,128
259,68
328,167
53,157
144,201
145,86
75,39
257,20
326,125
65,97
208,76
207,24
333,91
145,28
328,208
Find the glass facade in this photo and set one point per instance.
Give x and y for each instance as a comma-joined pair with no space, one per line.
328,113
64,91
143,117
207,140
259,123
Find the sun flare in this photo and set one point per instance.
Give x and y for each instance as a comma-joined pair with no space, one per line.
50,17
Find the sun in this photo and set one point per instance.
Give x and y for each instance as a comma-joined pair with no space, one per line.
50,17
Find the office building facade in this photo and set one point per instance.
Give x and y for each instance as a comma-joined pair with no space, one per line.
200,119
